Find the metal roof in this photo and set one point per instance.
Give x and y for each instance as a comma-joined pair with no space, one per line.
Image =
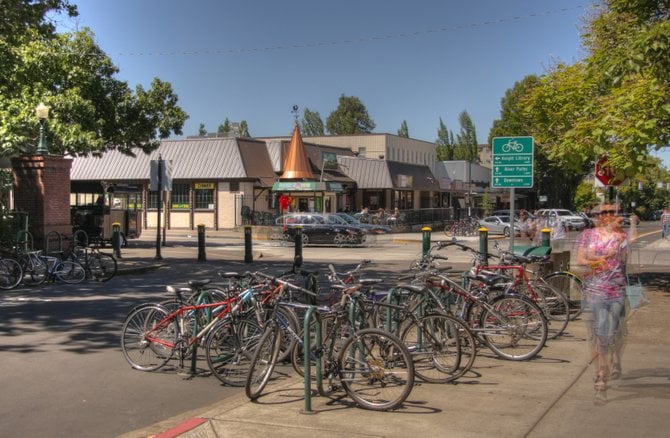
201,158
369,173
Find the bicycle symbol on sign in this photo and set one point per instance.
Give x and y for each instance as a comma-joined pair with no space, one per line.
513,146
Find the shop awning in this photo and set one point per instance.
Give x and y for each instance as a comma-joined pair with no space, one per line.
307,186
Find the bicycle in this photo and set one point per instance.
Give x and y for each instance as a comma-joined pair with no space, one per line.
99,266
373,366
11,273
511,325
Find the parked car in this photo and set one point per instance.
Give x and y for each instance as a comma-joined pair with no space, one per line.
516,213
500,225
317,229
572,220
588,222
371,228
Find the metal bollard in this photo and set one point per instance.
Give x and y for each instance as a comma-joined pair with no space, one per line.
426,239
545,237
202,257
248,255
116,239
484,245
297,259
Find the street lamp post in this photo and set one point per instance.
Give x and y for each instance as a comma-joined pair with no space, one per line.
42,112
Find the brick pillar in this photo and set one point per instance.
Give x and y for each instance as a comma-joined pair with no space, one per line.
42,189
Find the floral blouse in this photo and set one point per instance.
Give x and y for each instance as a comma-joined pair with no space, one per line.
609,279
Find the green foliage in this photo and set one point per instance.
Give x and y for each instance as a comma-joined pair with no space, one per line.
201,130
311,125
444,144
350,117
91,110
467,146
244,129
404,130
585,196
224,128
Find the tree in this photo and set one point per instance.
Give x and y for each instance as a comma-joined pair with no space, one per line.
585,196
404,130
466,141
201,130
616,101
224,128
350,117
312,125
444,144
244,129
91,110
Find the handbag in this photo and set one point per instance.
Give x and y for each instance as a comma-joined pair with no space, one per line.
634,293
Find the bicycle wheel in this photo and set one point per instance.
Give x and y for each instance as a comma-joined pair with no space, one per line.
571,286
35,270
69,272
555,306
229,347
442,348
298,352
376,369
290,327
513,327
147,338
102,266
263,362
10,274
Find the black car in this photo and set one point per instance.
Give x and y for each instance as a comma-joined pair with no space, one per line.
317,229
370,228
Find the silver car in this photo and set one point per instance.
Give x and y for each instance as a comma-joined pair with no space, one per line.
500,225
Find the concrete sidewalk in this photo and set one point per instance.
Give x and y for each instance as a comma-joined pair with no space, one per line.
549,396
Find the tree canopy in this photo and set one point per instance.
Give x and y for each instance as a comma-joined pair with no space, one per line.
616,101
312,125
404,130
90,110
350,117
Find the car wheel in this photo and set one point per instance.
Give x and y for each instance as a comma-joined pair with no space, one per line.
340,239
506,231
305,239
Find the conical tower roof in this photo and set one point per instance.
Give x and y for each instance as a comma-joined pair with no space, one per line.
296,164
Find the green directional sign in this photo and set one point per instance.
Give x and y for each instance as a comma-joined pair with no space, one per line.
512,162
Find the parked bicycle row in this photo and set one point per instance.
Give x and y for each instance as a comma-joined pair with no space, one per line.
368,341
24,266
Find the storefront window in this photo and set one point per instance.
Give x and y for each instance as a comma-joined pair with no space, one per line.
204,195
180,196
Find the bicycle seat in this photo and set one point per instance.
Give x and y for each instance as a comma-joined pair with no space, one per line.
369,281
231,275
198,283
487,278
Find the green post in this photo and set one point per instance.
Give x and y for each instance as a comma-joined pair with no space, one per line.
248,255
116,239
202,257
311,312
484,245
426,239
545,239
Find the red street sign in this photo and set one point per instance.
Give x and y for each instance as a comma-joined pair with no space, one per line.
604,173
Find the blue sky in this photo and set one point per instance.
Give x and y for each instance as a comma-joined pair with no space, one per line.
407,60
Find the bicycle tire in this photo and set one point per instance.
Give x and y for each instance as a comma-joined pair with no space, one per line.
514,327
571,286
11,274
263,362
376,369
146,345
229,347
69,272
102,266
35,270
556,308
298,352
442,347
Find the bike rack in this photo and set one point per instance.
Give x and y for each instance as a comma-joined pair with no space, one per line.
312,311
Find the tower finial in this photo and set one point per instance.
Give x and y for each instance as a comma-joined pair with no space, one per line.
294,111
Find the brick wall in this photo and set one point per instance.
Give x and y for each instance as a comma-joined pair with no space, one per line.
42,189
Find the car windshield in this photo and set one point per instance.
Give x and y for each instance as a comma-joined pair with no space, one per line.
334,219
349,219
563,213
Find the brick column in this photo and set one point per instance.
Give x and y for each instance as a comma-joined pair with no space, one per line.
42,189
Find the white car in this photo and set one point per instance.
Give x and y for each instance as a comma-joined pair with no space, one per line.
572,220
500,225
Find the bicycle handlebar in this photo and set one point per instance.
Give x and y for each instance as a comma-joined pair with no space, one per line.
276,280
